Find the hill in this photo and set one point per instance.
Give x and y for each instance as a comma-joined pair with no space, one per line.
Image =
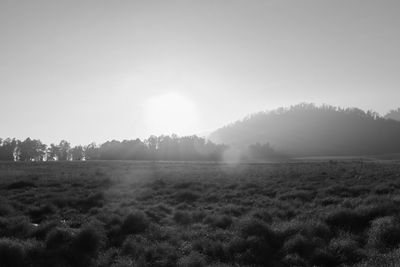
310,130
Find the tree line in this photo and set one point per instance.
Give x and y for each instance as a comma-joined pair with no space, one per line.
153,148
172,148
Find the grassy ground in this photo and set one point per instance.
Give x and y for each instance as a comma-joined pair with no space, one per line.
321,213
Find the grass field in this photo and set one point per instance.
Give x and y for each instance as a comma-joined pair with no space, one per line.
321,213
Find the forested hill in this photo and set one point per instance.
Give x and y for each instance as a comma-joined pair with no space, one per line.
309,130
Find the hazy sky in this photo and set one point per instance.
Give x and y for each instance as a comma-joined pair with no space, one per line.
98,70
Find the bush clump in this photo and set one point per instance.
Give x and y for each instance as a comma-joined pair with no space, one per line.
39,213
12,253
59,239
20,185
187,196
219,221
135,223
346,219
182,217
19,227
346,250
88,241
299,244
149,253
257,244
5,208
194,259
384,233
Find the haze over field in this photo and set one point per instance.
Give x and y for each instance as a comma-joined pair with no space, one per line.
101,70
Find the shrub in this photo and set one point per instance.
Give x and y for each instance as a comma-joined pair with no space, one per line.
219,264
372,211
161,254
93,200
124,262
182,217
220,221
19,227
149,253
234,210
58,238
312,229
107,258
294,260
212,248
186,196
198,215
154,214
346,250
254,227
194,259
12,253
38,213
21,185
135,223
299,244
302,195
384,233
258,243
88,241
323,257
330,201
44,228
346,219
390,259
262,214
5,209
164,208
134,246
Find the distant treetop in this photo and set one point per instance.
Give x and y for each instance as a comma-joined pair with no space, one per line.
393,114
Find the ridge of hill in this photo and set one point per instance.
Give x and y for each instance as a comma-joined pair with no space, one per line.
309,130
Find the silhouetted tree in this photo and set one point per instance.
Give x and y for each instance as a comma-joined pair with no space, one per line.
8,149
52,152
77,153
91,152
151,144
63,150
31,150
157,148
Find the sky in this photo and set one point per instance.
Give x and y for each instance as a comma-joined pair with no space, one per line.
100,70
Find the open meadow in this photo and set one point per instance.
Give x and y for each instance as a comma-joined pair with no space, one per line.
132,213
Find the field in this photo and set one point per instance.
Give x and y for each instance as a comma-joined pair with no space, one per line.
103,213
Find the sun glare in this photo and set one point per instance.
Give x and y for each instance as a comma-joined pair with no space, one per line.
171,113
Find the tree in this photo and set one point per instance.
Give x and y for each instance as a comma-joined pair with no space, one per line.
8,149
77,153
31,150
64,149
91,152
52,152
393,114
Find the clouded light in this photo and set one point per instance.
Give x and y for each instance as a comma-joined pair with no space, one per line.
171,113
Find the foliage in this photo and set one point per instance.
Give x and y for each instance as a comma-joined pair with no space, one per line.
154,148
120,213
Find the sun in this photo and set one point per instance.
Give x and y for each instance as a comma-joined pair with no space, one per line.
171,113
